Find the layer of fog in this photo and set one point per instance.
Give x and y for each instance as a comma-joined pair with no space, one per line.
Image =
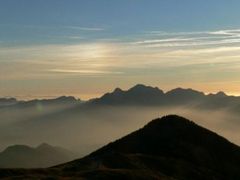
84,130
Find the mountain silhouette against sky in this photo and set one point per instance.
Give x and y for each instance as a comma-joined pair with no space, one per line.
139,95
9,102
171,147
66,100
66,108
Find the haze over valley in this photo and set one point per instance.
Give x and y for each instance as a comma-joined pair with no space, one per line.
83,126
128,89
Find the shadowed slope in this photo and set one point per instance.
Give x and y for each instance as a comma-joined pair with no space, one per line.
168,148
171,145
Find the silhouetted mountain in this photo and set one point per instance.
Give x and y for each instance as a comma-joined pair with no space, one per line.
22,156
34,109
137,95
181,96
146,95
172,146
8,101
56,101
220,94
168,148
141,95
62,100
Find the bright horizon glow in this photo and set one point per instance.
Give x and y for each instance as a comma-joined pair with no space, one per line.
86,97
86,49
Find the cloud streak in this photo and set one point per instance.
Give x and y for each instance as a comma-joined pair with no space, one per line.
166,57
84,28
84,71
189,39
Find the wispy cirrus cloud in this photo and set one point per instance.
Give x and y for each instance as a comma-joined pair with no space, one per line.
194,33
168,57
231,32
84,71
30,26
158,39
150,41
164,33
85,28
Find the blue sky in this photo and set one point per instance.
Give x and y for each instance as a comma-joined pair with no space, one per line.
36,21
87,47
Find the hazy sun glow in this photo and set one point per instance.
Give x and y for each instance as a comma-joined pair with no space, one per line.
64,49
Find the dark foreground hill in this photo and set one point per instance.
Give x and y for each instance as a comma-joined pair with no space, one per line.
168,148
44,155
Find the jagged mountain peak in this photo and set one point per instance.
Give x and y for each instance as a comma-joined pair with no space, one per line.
221,94
144,88
118,90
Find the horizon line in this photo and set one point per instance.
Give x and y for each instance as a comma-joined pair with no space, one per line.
98,95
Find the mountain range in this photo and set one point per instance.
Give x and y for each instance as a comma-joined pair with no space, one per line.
61,120
8,101
44,155
12,102
170,147
118,112
139,95
153,96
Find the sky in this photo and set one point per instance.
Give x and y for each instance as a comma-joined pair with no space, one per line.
85,48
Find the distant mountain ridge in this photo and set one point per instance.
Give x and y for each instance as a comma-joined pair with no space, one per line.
141,95
59,100
152,96
168,148
44,155
8,101
135,95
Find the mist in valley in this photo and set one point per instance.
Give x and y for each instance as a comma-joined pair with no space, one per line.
83,130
